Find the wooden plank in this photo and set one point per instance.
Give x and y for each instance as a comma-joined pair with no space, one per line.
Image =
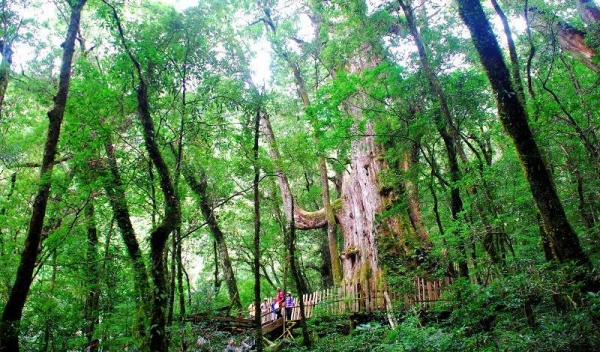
309,307
390,311
272,326
429,293
423,291
341,298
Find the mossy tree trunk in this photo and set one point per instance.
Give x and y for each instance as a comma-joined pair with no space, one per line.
446,130
13,310
172,210
199,187
562,239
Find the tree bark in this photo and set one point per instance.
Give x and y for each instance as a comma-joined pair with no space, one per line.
588,11
115,191
199,187
258,338
170,221
93,279
563,240
181,294
361,202
446,130
331,224
172,210
304,220
172,278
13,310
298,280
570,38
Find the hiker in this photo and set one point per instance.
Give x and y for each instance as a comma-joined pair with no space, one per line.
264,310
289,306
275,309
251,310
279,297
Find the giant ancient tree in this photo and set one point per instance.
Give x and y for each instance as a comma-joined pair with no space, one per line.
363,198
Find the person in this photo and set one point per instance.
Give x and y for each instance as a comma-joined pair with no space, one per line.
93,347
275,309
289,306
279,297
251,309
264,309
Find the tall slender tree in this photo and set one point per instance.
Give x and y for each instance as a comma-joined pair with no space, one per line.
564,242
13,310
446,129
172,208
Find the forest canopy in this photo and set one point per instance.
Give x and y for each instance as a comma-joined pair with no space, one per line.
161,161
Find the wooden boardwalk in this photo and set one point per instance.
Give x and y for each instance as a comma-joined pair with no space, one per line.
346,299
352,298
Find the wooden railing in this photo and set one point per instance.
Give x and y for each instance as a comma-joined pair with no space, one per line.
352,298
428,292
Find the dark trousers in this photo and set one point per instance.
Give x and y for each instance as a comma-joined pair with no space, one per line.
288,313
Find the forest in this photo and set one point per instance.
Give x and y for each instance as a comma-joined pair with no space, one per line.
165,164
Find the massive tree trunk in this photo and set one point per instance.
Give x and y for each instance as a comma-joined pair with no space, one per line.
563,240
361,202
13,310
199,187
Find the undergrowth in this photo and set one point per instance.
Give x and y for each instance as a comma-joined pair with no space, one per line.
512,314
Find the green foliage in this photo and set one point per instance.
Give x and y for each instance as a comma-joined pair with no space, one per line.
197,65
